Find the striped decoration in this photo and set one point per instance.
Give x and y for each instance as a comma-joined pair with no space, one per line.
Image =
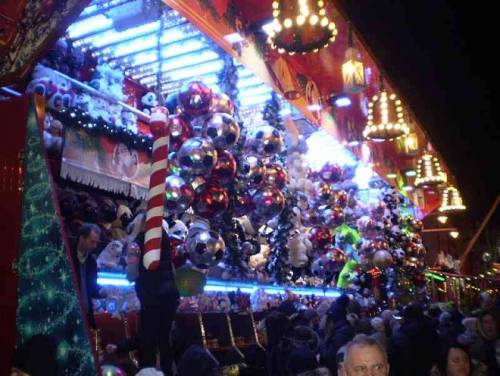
154,216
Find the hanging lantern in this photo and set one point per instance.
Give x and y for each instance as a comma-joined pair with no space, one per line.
353,71
386,119
300,26
429,171
451,201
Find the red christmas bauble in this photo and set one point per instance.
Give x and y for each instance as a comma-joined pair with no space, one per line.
275,175
331,173
268,201
224,170
180,131
333,217
323,191
195,98
211,202
341,198
320,237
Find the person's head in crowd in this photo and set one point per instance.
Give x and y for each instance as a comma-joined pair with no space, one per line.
377,324
338,309
196,361
364,356
487,302
301,359
288,307
454,360
36,357
305,337
487,326
340,360
88,238
312,317
412,312
277,325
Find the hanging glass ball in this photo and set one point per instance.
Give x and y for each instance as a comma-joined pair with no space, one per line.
197,156
223,130
382,259
268,201
320,238
195,98
205,248
222,103
178,195
252,171
275,175
224,170
180,131
331,172
333,217
211,202
264,141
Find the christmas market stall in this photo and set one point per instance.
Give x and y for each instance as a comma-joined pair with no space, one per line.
277,168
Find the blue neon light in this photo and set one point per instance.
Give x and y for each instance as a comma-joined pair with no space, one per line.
215,285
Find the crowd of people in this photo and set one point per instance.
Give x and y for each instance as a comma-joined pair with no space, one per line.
329,338
416,341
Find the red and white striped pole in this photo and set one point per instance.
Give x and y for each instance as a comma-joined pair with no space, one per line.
159,163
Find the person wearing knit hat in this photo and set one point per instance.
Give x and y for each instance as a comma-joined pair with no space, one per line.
339,332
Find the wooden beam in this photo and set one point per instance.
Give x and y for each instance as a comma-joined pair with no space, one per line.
473,241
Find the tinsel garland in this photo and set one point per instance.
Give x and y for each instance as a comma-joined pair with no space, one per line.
78,119
228,80
279,265
271,113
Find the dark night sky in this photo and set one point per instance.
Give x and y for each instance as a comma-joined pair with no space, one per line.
435,53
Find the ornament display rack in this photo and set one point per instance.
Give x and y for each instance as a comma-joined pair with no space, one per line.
217,285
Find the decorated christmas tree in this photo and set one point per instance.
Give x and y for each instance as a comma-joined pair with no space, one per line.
48,301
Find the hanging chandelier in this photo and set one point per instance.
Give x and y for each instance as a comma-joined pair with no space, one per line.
429,171
353,70
301,26
451,201
386,120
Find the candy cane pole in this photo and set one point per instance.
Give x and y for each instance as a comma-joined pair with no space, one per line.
154,216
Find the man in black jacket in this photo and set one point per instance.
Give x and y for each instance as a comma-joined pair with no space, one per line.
414,348
340,332
159,299
85,265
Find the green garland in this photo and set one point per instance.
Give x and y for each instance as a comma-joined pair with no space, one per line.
78,119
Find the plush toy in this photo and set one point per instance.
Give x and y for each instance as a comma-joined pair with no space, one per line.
116,78
129,121
84,102
100,78
347,273
115,115
43,82
123,218
149,100
56,90
106,215
110,257
300,246
178,231
52,134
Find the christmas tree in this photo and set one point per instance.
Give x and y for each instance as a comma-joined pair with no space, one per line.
48,303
